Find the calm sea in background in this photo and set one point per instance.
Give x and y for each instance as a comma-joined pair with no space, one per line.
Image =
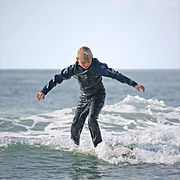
35,136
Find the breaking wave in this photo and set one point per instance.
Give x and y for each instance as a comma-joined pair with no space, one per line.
148,126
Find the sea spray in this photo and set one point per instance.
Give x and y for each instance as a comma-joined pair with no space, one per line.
148,126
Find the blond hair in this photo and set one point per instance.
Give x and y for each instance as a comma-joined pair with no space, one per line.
84,53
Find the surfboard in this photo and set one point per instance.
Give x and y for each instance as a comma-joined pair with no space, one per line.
87,153
124,153
79,151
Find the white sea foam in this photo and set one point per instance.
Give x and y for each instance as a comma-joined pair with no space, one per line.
147,125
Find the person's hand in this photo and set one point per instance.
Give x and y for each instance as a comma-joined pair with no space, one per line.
40,96
138,87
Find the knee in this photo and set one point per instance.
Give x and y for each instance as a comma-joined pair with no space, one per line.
92,120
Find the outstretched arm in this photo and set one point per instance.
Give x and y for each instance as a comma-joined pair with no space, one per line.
103,70
65,74
138,87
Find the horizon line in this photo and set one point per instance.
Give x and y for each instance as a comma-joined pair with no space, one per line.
115,68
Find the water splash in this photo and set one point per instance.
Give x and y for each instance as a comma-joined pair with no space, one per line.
147,125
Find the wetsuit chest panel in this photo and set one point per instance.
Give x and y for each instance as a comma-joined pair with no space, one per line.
89,82
87,79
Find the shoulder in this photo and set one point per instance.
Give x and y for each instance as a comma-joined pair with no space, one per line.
73,66
96,61
100,68
99,64
69,69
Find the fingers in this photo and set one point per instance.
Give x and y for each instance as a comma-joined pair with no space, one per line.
142,87
40,96
138,87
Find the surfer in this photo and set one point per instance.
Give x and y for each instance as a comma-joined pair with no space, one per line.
88,71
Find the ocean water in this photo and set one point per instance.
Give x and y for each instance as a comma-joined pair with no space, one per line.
35,136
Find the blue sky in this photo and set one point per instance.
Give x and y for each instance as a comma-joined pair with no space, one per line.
125,34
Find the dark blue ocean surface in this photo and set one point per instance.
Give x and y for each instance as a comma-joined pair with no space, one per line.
35,136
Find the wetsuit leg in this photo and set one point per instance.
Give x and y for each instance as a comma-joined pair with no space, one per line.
79,119
95,108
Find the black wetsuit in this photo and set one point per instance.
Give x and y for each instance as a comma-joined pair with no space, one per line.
92,95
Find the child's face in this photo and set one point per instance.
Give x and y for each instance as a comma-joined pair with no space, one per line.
85,63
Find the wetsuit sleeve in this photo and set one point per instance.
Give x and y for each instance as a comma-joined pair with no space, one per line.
66,73
104,70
